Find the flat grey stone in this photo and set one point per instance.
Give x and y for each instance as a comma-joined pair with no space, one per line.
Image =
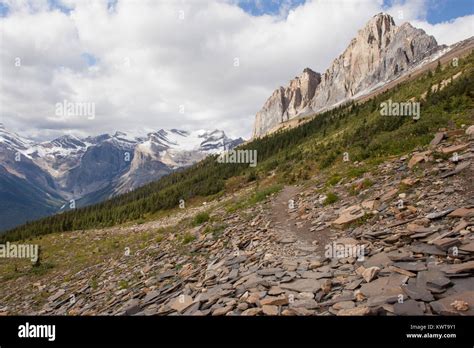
440,214
409,307
391,285
380,260
302,285
411,266
416,291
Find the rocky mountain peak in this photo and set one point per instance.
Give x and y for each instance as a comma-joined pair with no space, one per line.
380,52
381,19
307,82
215,134
12,140
67,142
289,102
378,31
179,131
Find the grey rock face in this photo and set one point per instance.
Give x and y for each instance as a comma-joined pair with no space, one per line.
380,52
97,167
26,191
287,103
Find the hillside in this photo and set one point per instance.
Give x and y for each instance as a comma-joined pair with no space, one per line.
253,241
291,155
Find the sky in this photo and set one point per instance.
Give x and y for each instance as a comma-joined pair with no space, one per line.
186,64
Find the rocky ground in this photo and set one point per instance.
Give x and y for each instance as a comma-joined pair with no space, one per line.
401,239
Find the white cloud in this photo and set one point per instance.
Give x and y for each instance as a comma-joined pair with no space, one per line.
445,33
449,32
150,62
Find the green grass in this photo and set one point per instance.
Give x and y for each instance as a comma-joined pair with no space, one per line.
361,221
261,195
36,271
41,269
201,218
187,238
333,180
256,197
366,183
439,155
94,283
123,284
331,198
356,172
252,176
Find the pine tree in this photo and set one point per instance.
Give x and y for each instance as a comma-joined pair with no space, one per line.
438,67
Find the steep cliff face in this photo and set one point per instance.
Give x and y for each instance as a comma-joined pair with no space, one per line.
27,192
287,103
380,52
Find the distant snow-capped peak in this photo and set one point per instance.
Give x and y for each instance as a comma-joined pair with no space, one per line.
200,140
206,141
13,141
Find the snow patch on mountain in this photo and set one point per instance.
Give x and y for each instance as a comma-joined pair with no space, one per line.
81,166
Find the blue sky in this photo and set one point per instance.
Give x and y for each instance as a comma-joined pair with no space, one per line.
443,10
53,3
3,9
438,10
269,7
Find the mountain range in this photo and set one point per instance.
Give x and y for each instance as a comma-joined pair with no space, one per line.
39,179
380,53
